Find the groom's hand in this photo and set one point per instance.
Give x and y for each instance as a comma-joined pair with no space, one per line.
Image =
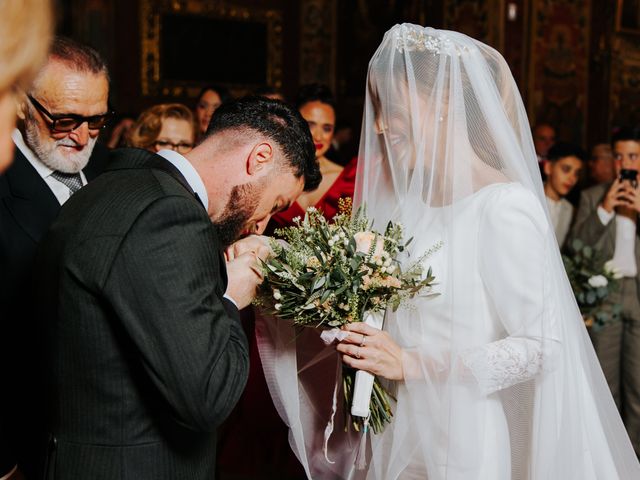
258,244
244,275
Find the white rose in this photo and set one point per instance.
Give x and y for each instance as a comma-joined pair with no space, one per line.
364,241
278,306
598,281
277,295
611,270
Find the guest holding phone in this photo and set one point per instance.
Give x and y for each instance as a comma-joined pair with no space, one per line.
607,219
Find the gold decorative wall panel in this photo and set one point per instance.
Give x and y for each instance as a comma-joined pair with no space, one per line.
169,36
559,66
318,42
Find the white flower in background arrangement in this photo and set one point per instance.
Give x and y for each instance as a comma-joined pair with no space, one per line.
277,295
598,281
611,270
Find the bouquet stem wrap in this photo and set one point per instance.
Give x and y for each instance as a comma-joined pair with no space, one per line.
364,380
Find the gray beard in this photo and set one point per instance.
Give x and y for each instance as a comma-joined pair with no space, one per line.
51,156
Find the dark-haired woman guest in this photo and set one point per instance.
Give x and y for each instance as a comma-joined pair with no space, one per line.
317,106
209,98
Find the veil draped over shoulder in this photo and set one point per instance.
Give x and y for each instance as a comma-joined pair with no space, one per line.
501,381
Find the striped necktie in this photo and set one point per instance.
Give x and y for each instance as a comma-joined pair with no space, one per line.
71,180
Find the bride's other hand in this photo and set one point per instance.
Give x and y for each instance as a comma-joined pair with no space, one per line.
373,350
256,244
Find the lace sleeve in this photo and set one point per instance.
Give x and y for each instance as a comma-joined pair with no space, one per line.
503,363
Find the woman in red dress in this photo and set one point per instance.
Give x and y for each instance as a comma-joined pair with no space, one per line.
316,106
254,441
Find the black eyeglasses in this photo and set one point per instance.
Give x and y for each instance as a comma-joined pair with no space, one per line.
181,147
67,122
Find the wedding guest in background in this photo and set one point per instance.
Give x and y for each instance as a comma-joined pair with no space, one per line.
544,136
600,164
25,30
563,168
607,219
168,125
209,98
317,106
147,355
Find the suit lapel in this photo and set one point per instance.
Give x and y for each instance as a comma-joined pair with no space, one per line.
30,200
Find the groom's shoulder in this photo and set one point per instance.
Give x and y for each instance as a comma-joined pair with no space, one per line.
137,175
129,187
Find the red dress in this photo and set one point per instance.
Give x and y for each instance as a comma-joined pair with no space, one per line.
328,204
253,443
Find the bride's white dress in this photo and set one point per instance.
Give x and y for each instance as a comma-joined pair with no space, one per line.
494,294
509,398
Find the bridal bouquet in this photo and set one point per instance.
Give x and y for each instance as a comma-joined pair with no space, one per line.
330,274
591,280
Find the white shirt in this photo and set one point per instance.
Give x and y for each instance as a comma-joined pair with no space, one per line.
561,213
59,189
188,172
624,258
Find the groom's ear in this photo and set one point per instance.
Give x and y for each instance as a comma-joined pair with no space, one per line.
260,159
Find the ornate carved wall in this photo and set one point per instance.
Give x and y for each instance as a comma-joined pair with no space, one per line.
480,19
318,42
577,70
625,79
559,66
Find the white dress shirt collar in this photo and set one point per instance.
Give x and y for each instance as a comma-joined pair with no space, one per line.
189,173
40,167
59,189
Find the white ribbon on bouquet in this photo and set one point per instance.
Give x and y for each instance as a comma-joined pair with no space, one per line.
363,387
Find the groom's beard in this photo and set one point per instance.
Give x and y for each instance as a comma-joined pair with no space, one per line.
241,206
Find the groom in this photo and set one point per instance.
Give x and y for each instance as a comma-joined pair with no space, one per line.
144,352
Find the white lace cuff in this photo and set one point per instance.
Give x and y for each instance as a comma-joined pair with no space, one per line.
503,363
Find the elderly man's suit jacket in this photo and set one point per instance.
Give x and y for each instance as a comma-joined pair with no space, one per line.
27,208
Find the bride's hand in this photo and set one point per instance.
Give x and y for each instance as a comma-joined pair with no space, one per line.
373,350
256,244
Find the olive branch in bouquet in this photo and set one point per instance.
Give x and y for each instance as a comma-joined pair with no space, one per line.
328,274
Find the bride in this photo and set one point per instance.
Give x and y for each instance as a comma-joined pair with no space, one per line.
495,378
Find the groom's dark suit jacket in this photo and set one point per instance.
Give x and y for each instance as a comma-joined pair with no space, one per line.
27,208
145,357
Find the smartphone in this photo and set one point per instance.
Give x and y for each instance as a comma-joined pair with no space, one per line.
630,175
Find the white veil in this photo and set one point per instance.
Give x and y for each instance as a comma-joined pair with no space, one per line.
501,379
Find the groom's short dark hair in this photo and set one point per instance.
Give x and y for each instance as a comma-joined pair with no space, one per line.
278,121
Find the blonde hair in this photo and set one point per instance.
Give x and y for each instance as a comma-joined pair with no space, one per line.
147,128
25,30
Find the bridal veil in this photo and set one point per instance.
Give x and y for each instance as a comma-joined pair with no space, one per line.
501,379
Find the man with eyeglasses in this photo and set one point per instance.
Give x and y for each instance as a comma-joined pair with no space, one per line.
59,121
